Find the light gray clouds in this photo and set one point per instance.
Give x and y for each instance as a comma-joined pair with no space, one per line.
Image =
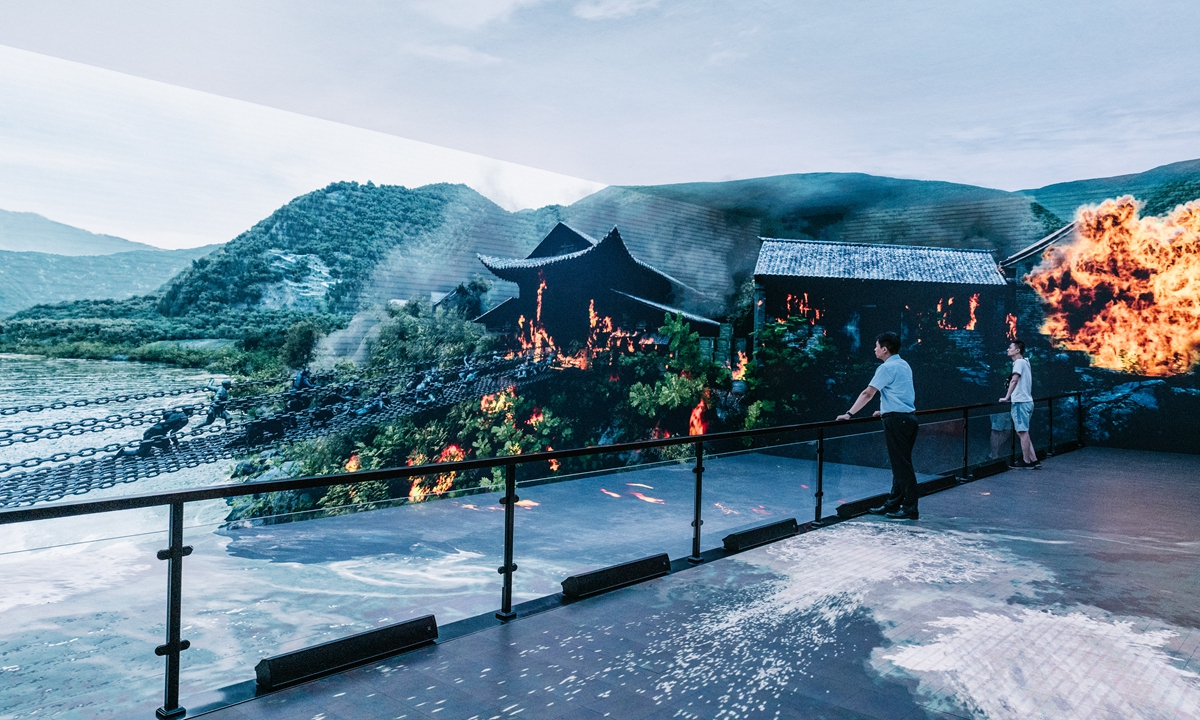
174,167
1014,94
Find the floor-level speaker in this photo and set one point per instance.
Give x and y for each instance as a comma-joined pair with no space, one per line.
761,535
291,668
610,578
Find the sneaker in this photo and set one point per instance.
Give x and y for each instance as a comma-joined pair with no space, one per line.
1021,465
904,514
883,509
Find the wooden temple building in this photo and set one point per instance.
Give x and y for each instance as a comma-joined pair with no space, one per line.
570,278
854,291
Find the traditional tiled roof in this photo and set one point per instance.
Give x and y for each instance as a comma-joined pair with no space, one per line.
1063,233
668,309
562,239
859,261
500,313
612,245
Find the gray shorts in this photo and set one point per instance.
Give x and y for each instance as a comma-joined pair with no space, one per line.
1021,412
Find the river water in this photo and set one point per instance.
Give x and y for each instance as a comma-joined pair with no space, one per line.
82,599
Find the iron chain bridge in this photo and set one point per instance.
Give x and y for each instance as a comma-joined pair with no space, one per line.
269,413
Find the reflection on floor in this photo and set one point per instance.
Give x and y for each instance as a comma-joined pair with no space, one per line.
1067,592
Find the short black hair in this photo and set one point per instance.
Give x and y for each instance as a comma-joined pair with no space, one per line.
1020,346
890,341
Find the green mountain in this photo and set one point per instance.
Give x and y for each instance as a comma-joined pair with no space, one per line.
348,246
30,232
1161,189
31,278
852,207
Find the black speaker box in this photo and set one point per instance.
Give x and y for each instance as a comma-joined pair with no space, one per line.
761,535
291,668
598,581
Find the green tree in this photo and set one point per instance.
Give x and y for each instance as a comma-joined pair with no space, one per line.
299,344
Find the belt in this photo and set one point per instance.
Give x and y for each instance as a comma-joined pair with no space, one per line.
897,414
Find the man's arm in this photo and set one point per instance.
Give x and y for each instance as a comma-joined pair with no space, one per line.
864,397
1012,385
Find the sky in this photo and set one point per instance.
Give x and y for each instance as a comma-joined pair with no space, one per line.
1011,95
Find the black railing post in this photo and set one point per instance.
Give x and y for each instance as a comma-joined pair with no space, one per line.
1079,431
820,493
1051,451
698,520
966,468
1012,442
174,555
509,501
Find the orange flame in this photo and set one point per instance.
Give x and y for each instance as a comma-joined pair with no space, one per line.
1011,321
603,336
647,498
501,403
973,303
541,289
740,370
609,493
536,418
696,424
800,306
526,503
1127,290
944,314
352,465
442,482
554,463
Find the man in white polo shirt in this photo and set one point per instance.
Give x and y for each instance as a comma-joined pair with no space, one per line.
893,382
1020,393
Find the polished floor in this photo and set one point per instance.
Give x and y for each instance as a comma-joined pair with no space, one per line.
1066,592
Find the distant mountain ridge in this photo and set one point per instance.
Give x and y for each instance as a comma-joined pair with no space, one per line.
1160,188
30,232
28,278
348,248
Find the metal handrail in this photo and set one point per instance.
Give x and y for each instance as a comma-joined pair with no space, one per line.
215,492
177,551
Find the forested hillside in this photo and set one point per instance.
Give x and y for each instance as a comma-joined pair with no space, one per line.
326,245
32,278
1161,189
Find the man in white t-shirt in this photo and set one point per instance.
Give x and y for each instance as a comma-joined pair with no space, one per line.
1020,394
893,382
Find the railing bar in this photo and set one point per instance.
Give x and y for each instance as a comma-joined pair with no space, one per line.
1051,426
217,492
698,520
509,501
818,513
175,644
966,468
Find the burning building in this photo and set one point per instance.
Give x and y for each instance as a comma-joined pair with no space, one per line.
1118,286
851,292
570,283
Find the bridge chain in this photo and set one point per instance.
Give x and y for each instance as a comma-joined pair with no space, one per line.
288,418
178,392
200,447
35,433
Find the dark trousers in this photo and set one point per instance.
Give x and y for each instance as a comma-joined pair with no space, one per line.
900,430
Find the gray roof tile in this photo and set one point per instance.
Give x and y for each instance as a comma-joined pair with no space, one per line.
858,261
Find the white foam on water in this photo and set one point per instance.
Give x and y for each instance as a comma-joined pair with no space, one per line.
944,600
1038,664
745,654
42,577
